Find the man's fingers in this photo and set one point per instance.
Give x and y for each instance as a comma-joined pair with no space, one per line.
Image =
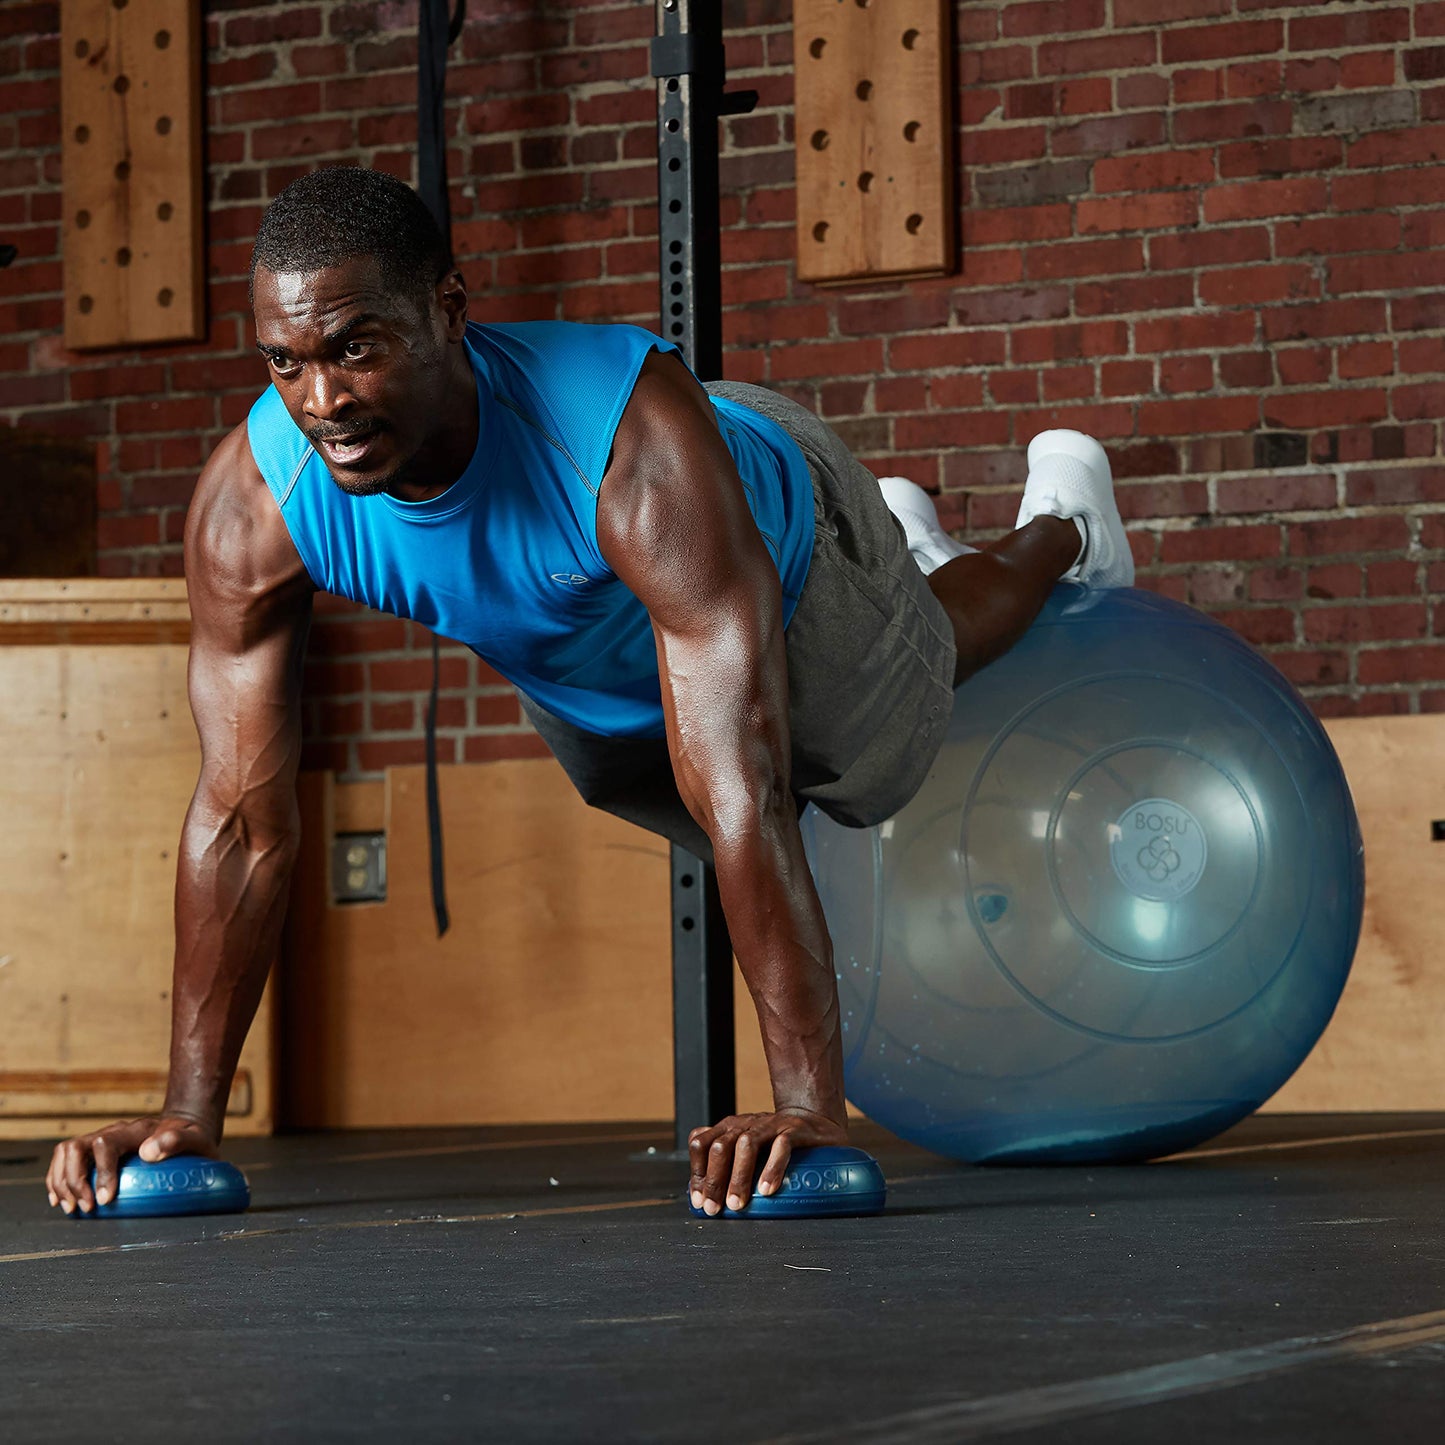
697,1147
77,1177
740,1186
107,1158
777,1165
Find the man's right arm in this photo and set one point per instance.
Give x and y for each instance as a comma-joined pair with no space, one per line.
250,601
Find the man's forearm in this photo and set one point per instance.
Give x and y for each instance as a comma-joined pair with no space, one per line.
781,941
231,892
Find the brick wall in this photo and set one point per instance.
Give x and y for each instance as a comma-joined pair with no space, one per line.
1205,230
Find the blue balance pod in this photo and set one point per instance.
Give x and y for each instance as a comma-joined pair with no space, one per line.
187,1184
829,1180
1121,908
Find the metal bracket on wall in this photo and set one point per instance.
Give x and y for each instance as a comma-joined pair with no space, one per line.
690,66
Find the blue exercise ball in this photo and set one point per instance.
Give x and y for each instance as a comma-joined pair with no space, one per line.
1121,908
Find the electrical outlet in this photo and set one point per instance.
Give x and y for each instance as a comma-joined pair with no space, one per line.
358,868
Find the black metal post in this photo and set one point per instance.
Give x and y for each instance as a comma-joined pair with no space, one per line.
688,61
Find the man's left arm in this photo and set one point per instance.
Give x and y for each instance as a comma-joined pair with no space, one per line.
674,524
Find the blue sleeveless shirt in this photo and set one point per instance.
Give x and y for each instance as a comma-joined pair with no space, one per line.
506,560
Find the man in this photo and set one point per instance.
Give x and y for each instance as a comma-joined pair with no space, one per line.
706,605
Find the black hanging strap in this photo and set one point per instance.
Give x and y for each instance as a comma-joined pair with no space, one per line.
437,27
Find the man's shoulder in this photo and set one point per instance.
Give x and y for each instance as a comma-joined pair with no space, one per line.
234,527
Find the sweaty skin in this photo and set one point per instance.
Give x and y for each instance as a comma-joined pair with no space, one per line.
382,385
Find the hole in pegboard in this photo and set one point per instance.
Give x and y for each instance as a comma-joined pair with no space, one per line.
817,48
864,90
165,211
82,134
165,296
910,131
163,125
1437,831
820,231
87,305
82,49
82,219
865,182
120,84
163,39
819,140
122,256
910,39
914,224
122,171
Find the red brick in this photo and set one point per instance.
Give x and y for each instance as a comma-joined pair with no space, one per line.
1272,492
1241,120
1343,579
1138,213
1312,668
1346,536
1359,316
1241,369
1143,293
1263,626
946,349
1109,53
1220,544
1335,234
1159,170
1182,374
953,429
1276,584
1221,42
1084,258
1376,26
1304,365
1398,148
1359,623
1369,358
1299,411
1392,579
1200,414
1383,665
1193,333
1395,486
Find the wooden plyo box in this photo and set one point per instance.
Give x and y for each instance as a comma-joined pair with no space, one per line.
549,999
1385,1047
97,767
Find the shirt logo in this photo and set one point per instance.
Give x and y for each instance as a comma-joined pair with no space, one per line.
571,579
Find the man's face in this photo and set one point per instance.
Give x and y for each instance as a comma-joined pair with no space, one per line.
362,371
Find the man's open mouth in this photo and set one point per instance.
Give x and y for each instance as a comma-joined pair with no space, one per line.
350,451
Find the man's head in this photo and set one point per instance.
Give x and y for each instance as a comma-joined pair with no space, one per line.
358,308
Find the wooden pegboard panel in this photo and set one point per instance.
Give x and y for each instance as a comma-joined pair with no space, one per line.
874,138
131,171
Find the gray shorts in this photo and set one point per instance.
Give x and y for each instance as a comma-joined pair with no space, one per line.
870,664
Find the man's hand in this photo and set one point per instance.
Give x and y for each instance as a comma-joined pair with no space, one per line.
154,1138
725,1157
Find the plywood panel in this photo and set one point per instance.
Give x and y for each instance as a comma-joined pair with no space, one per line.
547,1000
98,767
131,171
874,139
1383,1049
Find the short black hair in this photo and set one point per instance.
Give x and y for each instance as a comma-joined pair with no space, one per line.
336,214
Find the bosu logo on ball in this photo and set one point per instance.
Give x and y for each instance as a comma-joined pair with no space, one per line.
1158,849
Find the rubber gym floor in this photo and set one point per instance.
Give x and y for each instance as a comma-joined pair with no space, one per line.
1285,1282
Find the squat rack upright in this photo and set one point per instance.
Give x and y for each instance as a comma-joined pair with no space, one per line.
689,63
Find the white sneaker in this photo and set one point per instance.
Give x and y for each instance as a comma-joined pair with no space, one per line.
928,544
1069,476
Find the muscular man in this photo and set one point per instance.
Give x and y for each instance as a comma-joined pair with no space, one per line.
709,612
